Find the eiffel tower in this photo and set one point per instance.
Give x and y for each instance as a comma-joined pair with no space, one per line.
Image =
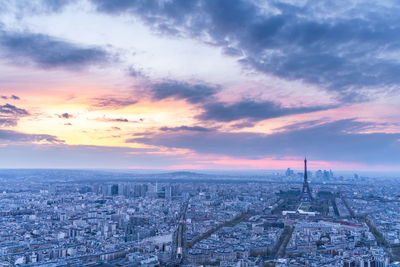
305,195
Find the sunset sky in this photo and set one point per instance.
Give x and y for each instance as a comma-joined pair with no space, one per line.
200,84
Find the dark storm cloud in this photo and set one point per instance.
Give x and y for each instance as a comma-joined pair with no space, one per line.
185,128
337,140
343,47
252,110
193,93
112,102
47,51
14,97
13,136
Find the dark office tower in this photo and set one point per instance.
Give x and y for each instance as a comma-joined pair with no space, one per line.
114,190
305,195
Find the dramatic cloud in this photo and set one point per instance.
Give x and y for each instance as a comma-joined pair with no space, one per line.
119,120
193,93
305,125
37,6
7,122
13,136
135,72
13,97
329,141
347,48
54,5
204,95
13,110
10,114
244,124
104,119
252,110
48,52
209,76
112,102
66,116
185,128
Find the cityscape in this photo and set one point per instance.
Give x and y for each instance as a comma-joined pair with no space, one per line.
93,218
199,133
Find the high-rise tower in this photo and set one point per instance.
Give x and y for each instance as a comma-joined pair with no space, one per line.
305,195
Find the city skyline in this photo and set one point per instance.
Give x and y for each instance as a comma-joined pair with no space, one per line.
200,85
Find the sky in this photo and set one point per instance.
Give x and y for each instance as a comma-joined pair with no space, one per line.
200,84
